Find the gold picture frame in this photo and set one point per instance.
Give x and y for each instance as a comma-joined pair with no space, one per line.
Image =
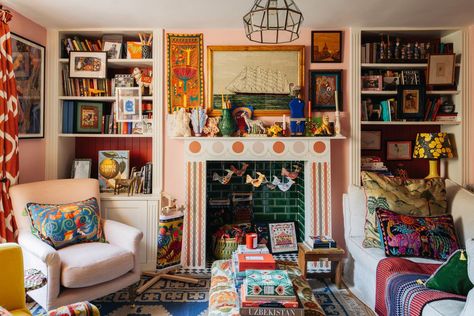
227,64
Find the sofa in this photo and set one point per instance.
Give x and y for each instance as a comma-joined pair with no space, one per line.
361,263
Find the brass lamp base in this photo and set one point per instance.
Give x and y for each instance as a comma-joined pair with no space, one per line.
433,170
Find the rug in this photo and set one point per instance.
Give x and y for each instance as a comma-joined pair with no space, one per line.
166,298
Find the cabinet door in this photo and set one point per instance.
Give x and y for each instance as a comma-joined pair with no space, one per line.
141,215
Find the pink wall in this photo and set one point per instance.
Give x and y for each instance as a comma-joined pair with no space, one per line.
173,149
470,179
32,151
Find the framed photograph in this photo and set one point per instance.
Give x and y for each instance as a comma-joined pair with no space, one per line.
89,117
323,86
411,102
283,237
372,83
411,77
326,46
87,64
371,140
112,46
128,107
399,150
259,76
29,67
113,165
81,168
441,69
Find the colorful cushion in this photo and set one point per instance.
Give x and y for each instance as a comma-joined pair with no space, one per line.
452,276
417,197
61,225
417,236
76,309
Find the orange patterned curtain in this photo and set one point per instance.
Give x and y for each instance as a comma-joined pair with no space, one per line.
8,130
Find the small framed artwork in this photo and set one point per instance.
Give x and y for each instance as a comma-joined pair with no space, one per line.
112,46
29,67
89,117
81,168
128,107
326,46
441,69
371,140
411,77
113,165
323,87
411,102
283,237
372,83
87,64
399,150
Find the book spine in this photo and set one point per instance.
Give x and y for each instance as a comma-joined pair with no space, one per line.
254,311
65,116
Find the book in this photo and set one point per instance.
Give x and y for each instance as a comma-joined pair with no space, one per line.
242,249
323,242
256,261
268,285
260,311
266,303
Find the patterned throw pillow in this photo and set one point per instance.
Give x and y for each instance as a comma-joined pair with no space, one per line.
417,197
417,236
62,225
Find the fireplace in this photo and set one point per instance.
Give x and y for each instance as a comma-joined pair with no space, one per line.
308,202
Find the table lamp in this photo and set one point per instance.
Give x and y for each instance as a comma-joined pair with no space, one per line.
433,146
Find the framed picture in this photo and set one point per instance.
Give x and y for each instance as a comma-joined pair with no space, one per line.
322,89
81,168
411,102
326,46
259,76
87,64
399,150
371,140
128,107
112,46
283,237
441,69
372,83
28,65
89,117
411,77
113,165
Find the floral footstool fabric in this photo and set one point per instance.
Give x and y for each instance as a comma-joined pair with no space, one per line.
223,296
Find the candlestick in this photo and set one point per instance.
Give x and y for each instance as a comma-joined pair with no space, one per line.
309,109
337,101
284,122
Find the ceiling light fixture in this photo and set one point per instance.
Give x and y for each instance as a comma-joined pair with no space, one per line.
273,22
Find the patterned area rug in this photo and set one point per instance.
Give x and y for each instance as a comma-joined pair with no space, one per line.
166,298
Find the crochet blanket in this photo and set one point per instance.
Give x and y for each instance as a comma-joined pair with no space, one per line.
399,294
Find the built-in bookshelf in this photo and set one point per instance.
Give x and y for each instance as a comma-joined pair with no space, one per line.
367,62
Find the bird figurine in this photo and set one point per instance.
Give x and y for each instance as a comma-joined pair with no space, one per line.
286,186
239,172
291,174
256,182
223,179
272,185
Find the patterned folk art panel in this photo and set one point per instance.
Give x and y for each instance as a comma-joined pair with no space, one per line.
140,149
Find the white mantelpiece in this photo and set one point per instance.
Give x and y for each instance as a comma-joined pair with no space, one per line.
315,152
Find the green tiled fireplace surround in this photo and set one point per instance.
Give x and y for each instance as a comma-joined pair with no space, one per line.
269,205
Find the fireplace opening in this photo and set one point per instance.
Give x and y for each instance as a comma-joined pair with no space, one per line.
248,195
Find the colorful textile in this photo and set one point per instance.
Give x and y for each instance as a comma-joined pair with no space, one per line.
9,130
411,236
170,239
268,282
77,309
61,225
452,276
417,197
185,71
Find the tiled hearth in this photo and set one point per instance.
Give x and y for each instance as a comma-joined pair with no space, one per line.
314,154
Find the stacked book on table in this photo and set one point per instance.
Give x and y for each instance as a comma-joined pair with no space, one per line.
322,242
244,258
374,164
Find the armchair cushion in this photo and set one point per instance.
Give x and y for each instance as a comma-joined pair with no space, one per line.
89,264
61,225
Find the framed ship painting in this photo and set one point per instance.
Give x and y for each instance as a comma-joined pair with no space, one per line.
257,76
28,65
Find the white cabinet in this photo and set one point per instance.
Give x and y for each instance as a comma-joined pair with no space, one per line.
141,214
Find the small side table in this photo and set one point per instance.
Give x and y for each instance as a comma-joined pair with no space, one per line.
335,255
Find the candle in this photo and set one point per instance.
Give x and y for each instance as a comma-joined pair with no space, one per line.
309,109
337,101
284,122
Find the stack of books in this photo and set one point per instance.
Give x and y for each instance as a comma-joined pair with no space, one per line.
239,275
323,242
257,261
374,164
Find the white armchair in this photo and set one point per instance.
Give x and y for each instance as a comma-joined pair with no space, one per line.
80,272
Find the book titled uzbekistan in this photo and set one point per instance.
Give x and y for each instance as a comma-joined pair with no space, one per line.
262,261
268,285
273,311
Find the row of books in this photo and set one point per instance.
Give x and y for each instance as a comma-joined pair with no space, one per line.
147,178
374,164
432,111
386,110
76,43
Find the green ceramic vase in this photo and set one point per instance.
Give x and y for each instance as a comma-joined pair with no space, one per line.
227,124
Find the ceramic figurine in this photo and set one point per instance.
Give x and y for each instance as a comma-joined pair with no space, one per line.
211,129
274,130
198,120
257,181
255,127
272,185
178,123
324,129
227,124
239,172
223,179
281,185
297,118
143,81
416,51
397,49
291,174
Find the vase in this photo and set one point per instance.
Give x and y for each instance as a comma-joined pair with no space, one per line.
227,124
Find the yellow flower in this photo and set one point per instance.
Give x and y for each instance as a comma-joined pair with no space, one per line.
432,144
422,152
439,146
436,154
427,136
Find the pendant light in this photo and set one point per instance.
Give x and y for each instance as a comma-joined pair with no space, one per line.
273,22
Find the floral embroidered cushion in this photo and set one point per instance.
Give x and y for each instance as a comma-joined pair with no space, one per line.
61,225
417,197
417,236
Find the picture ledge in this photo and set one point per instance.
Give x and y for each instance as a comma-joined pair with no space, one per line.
261,138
